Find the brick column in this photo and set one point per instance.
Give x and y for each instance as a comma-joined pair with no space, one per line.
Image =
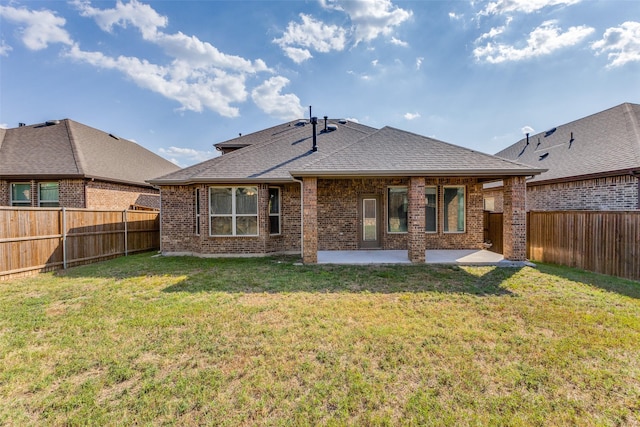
416,239
310,220
514,223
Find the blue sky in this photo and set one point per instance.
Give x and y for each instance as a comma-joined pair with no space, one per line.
179,76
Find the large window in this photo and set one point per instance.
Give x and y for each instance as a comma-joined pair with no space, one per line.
21,194
454,210
274,210
398,205
48,195
431,209
234,211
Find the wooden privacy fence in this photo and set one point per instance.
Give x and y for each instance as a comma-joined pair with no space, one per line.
604,242
42,239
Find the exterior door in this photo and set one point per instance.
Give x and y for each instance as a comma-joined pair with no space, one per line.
369,222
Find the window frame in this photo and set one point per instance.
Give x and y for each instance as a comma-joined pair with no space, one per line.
388,207
49,203
435,187
233,215
20,203
464,207
279,214
196,209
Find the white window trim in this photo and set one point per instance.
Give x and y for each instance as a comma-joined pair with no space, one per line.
279,214
20,203
40,201
437,213
464,193
233,214
406,187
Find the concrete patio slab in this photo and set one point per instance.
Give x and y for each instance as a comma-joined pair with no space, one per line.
455,257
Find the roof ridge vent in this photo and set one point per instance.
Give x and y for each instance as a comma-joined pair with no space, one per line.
52,122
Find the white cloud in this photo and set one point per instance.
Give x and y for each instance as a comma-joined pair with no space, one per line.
186,156
454,16
297,55
419,61
370,19
374,62
492,33
527,130
141,16
399,42
311,34
622,44
500,7
198,76
4,126
4,48
215,90
411,116
269,99
544,40
39,27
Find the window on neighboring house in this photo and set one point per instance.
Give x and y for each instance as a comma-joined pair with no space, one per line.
454,210
196,209
48,194
21,194
431,209
233,211
274,210
397,206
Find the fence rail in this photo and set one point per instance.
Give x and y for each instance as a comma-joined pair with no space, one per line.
42,239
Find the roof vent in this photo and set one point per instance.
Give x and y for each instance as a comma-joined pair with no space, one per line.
544,156
331,127
114,137
52,122
20,125
301,123
549,132
342,121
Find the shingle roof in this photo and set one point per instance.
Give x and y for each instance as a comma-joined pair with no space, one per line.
602,143
352,149
391,151
68,149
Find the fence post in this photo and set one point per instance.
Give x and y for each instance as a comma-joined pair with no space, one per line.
126,236
64,238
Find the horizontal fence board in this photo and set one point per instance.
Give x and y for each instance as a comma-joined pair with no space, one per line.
43,239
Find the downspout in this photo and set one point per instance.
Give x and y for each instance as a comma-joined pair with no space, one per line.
301,216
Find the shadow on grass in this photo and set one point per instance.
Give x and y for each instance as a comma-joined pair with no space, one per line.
614,284
286,275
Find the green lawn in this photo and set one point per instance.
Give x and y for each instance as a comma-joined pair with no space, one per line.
187,341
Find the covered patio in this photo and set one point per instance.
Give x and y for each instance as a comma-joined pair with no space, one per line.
475,257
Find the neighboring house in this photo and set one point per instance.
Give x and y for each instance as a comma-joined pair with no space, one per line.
295,189
68,164
593,164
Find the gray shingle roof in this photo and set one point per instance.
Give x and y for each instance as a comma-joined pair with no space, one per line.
391,151
352,150
68,149
602,143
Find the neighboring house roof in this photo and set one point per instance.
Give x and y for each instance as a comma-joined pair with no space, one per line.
68,149
351,150
605,143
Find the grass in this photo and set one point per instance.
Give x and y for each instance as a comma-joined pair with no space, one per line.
186,341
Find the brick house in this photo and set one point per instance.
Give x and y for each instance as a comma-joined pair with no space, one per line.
296,189
593,164
65,163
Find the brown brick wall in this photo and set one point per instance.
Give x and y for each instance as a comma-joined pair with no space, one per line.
416,220
514,227
310,195
71,193
614,193
5,193
177,220
106,195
